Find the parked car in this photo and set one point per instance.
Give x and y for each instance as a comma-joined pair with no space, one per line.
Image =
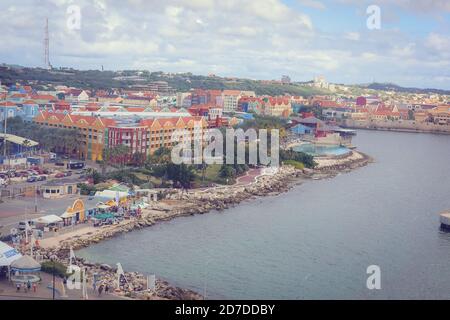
59,164
22,174
22,225
68,173
60,175
32,179
41,178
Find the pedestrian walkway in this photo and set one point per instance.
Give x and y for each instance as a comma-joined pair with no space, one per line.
44,291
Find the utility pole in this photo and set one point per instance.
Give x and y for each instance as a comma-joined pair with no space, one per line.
35,199
5,114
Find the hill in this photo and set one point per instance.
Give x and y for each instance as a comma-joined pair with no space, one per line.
95,79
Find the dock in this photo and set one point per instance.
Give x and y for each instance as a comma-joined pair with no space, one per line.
445,219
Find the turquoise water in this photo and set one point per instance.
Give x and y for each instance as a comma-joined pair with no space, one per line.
315,150
316,241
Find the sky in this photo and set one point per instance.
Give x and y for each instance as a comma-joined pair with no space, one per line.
255,39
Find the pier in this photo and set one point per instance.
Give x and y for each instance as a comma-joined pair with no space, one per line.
445,219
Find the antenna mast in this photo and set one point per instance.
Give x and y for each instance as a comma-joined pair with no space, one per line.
46,47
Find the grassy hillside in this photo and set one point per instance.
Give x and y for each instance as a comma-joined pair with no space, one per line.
94,79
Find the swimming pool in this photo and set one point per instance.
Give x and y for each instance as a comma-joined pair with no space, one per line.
316,150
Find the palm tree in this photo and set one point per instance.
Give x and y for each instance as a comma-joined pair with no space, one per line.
120,151
106,158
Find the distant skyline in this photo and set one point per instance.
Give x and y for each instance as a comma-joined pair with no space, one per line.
261,39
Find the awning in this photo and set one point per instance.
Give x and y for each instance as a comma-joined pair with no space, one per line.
48,219
67,215
103,216
25,264
8,254
103,206
19,140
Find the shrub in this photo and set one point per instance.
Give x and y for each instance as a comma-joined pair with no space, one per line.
86,189
296,164
59,268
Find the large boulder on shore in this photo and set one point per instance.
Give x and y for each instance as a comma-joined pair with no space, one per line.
105,267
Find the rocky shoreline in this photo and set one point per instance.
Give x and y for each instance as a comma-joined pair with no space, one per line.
179,204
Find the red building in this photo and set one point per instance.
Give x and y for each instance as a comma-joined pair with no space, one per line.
361,101
134,137
62,106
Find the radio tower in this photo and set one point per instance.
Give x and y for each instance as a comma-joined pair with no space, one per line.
46,47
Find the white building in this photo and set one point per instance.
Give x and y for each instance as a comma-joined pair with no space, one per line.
180,98
230,100
215,113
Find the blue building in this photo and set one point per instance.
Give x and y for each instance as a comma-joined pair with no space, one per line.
301,129
8,110
30,109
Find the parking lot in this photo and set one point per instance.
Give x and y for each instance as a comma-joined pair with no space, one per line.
20,200
19,209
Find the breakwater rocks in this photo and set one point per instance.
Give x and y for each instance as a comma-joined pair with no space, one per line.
184,203
134,285
331,166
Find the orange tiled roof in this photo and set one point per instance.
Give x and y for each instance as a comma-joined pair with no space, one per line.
231,92
43,97
135,109
7,104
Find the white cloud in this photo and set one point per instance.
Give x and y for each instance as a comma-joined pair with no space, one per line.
312,4
254,39
355,36
437,42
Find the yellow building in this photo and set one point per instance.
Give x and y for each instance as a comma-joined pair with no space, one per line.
277,106
92,132
441,114
74,214
161,130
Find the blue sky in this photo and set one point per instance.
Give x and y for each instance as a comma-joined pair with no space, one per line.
257,39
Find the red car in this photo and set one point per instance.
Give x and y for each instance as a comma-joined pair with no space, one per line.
60,175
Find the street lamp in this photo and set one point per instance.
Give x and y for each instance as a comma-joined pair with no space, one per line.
53,259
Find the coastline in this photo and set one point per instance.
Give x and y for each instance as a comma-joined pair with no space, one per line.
181,204
404,126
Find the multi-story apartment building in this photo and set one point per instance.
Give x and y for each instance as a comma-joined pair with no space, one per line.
230,100
92,132
181,97
198,96
441,115
277,106
160,131
143,136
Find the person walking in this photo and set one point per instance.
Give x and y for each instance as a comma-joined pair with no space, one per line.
100,290
106,289
29,285
18,287
34,287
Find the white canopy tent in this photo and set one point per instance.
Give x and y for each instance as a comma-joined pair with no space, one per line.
25,264
48,219
8,255
111,195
